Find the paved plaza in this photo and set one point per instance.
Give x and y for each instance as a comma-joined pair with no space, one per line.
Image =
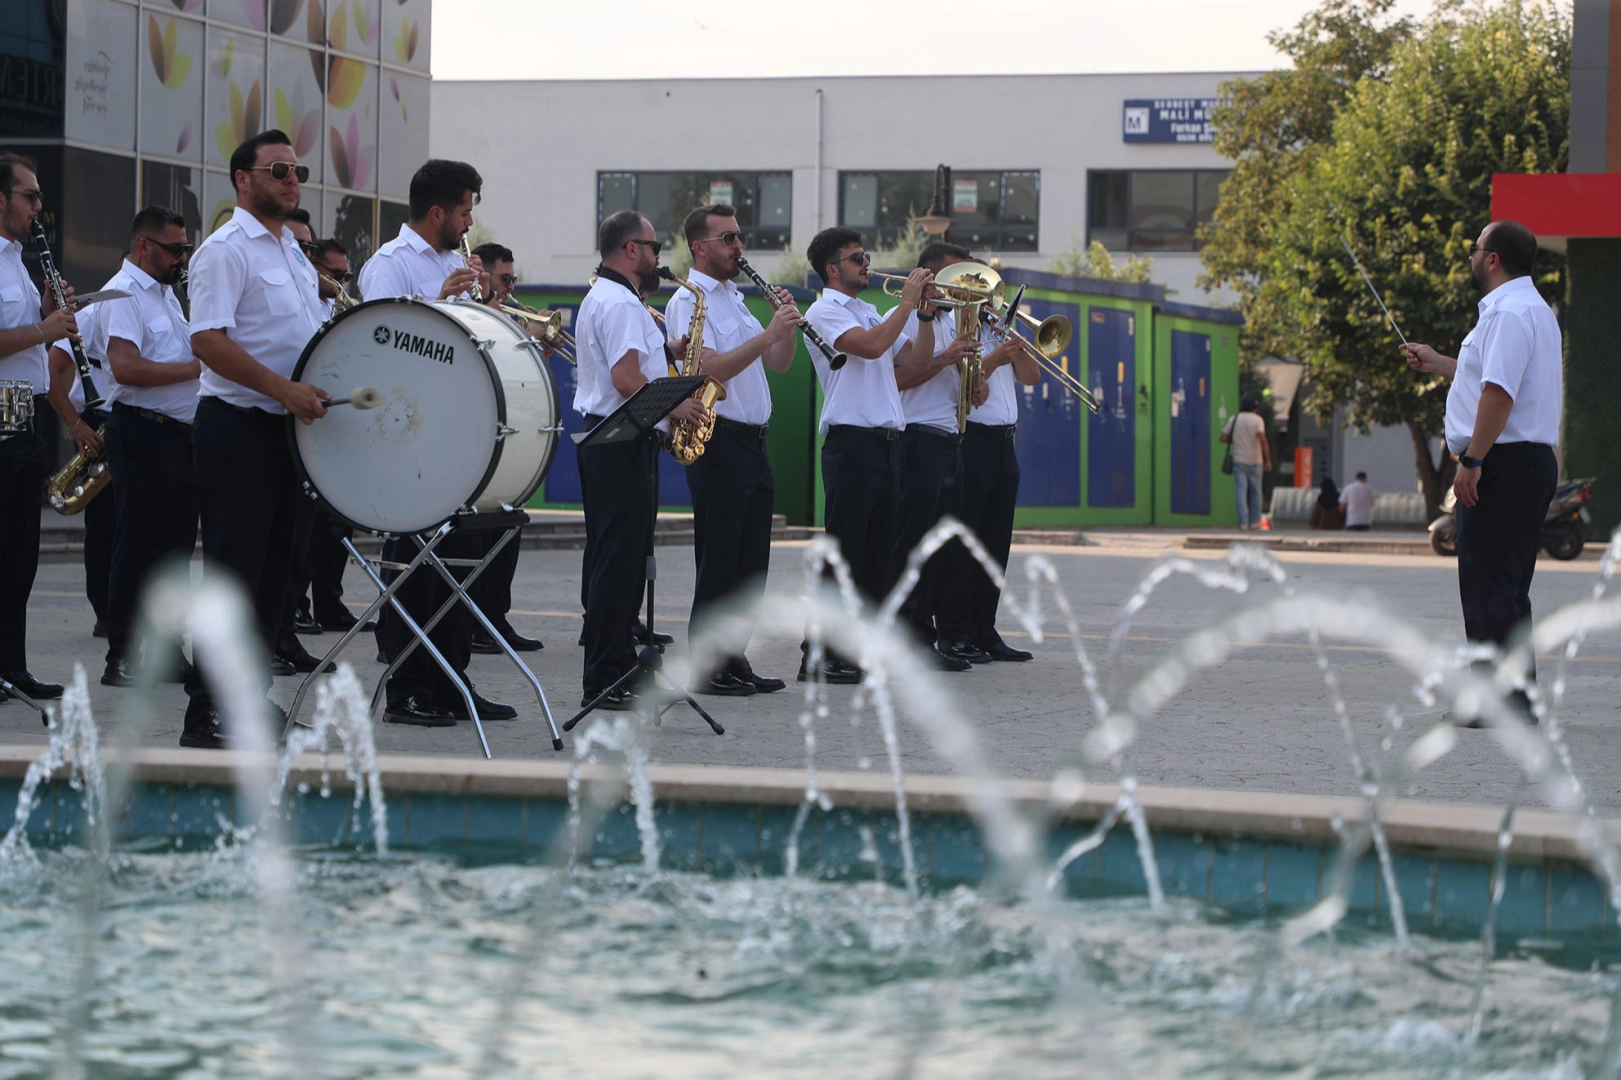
1260,721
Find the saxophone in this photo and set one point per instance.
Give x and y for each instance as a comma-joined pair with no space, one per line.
686,440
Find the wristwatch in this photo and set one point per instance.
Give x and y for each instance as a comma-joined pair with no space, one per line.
1469,462
925,318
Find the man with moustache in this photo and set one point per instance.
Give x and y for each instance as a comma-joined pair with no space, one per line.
253,308
28,325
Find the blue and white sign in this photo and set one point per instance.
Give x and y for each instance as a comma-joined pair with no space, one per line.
1169,120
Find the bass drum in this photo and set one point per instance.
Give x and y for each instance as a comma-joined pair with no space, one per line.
467,417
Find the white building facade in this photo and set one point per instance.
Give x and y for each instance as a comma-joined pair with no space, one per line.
1041,164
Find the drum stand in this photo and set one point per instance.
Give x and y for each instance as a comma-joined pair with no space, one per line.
512,522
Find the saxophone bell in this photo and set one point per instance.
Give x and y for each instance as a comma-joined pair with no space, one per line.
687,441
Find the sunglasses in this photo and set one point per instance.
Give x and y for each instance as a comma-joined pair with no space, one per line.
178,251
728,238
34,196
340,276
278,171
656,245
1475,246
509,280
861,257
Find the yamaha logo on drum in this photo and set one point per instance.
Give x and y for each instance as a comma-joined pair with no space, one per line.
415,344
381,335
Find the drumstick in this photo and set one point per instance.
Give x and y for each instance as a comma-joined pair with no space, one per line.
1358,263
361,397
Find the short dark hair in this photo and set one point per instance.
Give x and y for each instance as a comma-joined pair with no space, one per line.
1249,403
936,252
616,231
1514,245
330,246
245,155
493,253
697,222
825,247
1361,476
443,184
153,220
302,216
10,163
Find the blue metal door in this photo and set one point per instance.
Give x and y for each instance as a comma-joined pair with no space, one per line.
1190,423
1111,435
1049,443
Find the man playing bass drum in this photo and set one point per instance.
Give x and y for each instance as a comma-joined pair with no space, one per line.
731,483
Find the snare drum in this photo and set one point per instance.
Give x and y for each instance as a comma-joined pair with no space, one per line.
468,416
16,407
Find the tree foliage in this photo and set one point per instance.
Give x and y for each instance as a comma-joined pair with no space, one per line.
1404,174
1096,262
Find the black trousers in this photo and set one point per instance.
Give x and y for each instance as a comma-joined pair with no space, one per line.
100,519
325,566
616,485
422,595
1497,538
154,499
930,487
306,518
493,589
22,483
860,484
990,492
733,494
248,495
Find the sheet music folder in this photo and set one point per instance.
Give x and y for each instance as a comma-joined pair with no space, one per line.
645,409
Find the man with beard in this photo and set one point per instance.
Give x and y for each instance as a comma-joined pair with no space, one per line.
423,261
620,350
1502,421
731,484
253,308
146,341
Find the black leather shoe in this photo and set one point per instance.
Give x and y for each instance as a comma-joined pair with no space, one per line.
487,709
725,684
484,645
743,670
836,672
119,673
39,691
940,661
206,733
279,667
620,700
305,624
1001,651
967,650
337,623
303,662
4,696
382,657
638,630
519,643
99,630
419,712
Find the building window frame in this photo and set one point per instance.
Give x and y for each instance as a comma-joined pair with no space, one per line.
630,184
1111,194
883,226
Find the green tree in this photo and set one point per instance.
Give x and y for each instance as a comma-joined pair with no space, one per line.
1096,262
1405,176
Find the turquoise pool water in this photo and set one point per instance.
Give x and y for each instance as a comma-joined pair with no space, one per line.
405,966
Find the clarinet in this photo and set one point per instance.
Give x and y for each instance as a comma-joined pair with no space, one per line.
53,280
835,359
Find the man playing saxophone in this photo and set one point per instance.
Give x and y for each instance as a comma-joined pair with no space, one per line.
331,261
620,349
731,482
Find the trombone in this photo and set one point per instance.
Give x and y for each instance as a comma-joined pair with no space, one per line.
1052,336
545,327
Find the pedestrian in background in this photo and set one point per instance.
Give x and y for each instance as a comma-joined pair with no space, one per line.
1326,512
1502,420
1357,501
1252,456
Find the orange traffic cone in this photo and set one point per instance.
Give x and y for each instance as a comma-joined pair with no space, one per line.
1266,523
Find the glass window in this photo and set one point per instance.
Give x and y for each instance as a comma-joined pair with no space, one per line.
406,33
219,197
404,140
351,220
100,98
172,88
764,201
295,103
100,189
178,187
249,13
351,97
1150,210
991,210
234,87
390,216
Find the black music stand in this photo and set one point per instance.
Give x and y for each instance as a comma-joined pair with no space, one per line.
634,420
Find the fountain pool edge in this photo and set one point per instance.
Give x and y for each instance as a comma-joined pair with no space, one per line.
1251,852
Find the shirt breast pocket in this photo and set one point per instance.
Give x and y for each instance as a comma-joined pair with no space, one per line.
158,325
280,292
11,295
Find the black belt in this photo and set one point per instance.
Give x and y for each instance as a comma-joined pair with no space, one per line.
888,434
152,415
250,410
753,431
1006,431
938,432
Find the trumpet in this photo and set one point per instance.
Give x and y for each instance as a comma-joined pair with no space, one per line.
951,294
545,326
475,290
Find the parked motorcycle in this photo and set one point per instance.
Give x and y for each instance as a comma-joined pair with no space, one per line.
1564,530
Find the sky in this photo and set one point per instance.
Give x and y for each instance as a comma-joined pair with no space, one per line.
660,39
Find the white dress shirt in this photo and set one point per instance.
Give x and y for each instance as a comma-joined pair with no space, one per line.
329,308
408,266
261,290
612,322
89,320
1001,406
863,392
1516,346
19,306
934,403
728,324
151,319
